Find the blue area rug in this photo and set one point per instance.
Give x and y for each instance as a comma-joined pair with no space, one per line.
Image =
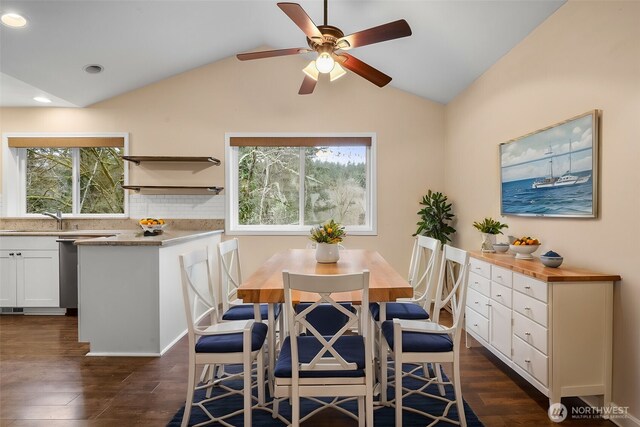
383,416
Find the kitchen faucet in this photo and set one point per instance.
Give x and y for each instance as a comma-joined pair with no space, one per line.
57,216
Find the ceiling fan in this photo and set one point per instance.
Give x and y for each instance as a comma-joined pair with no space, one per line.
330,43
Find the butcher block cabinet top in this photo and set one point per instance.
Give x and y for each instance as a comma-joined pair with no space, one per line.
534,268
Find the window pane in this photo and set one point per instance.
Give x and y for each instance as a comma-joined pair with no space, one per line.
49,180
335,185
269,185
101,179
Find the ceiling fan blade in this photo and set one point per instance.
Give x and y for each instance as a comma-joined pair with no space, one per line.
271,53
307,87
381,33
301,19
362,69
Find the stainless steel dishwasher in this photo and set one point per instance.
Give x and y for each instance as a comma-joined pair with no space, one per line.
68,258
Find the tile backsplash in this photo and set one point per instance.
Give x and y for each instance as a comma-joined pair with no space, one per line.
176,206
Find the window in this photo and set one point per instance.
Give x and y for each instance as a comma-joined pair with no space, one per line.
286,184
79,176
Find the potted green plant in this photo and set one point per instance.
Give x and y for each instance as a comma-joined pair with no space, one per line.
489,228
435,217
327,236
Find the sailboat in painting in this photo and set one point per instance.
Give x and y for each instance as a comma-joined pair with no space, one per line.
566,179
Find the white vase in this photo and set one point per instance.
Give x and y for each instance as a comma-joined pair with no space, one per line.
487,242
327,253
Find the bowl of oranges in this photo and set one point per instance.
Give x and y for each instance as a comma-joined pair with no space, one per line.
152,225
524,247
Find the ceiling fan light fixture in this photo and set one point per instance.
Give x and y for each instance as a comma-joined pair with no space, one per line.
337,72
325,63
311,70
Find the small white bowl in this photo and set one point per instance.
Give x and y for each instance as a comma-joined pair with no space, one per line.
524,251
551,261
501,247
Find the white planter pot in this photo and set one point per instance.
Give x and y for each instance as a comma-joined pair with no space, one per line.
487,242
327,253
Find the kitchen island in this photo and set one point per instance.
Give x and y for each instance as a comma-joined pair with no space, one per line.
129,290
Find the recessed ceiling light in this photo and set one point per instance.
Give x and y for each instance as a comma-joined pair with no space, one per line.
93,68
13,20
42,99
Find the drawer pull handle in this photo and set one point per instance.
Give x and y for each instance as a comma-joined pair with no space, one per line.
527,287
11,254
498,295
527,333
476,283
19,253
499,277
478,268
476,302
475,324
488,305
527,361
527,308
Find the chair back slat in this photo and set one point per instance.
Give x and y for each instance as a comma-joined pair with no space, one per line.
327,358
452,284
426,252
230,273
197,291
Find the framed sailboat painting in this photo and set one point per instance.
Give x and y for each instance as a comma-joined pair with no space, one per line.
552,171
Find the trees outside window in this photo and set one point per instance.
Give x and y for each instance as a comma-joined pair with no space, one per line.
291,188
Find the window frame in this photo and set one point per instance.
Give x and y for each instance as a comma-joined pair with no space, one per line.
232,227
14,169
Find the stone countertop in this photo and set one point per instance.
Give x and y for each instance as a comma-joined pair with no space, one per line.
120,237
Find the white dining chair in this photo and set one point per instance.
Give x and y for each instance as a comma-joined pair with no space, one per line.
312,365
422,342
216,343
234,308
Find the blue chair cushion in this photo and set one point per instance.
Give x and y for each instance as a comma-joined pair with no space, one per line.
418,342
399,310
232,343
350,347
245,312
325,318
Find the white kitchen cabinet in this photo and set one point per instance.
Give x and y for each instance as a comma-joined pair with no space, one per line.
536,322
29,272
500,327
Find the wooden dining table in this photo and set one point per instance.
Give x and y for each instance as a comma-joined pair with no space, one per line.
266,286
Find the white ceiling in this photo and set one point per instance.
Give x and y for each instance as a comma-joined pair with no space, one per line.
140,42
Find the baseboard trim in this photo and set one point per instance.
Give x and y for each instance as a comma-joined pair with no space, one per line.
172,343
44,311
117,354
622,421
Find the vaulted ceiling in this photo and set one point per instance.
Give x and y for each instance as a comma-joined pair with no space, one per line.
139,42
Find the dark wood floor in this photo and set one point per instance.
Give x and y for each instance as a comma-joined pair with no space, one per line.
45,380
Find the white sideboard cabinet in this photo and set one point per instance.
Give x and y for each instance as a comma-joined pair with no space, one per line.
29,271
553,326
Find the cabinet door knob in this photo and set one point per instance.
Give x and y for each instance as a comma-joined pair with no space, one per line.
476,302
527,287
499,277
527,360
478,268
475,324
527,333
19,254
11,253
527,308
488,305
498,295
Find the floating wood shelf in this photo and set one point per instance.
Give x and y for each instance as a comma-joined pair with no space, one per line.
138,159
212,189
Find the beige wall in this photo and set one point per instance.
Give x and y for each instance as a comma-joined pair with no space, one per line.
585,56
190,113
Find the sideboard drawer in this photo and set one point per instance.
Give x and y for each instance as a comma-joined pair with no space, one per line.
480,267
501,275
530,332
531,360
478,302
477,324
480,284
529,286
500,293
530,308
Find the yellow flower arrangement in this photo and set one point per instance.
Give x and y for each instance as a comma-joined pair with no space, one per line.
329,232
